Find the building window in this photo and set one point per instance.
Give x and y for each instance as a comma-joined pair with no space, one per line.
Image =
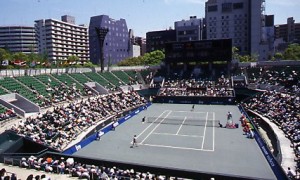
238,5
226,7
212,8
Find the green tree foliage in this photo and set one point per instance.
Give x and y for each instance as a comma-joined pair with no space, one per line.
235,54
89,64
292,52
152,58
243,58
134,61
20,56
4,55
73,58
278,56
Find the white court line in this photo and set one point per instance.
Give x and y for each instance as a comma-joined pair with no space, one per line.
169,134
173,147
204,131
155,127
213,131
191,111
152,123
198,117
181,125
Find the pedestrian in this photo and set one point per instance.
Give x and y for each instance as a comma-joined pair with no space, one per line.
193,107
143,120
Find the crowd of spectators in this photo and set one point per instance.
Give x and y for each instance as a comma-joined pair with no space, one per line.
7,175
56,94
8,113
193,87
283,110
84,171
280,101
58,127
285,77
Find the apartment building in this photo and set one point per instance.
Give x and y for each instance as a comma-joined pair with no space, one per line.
60,39
18,39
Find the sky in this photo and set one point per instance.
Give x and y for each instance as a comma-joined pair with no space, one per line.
141,15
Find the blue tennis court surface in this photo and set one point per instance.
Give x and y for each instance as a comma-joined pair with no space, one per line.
177,136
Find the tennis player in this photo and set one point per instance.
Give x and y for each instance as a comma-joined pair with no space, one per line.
134,141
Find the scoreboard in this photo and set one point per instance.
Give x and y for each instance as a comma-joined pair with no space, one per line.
199,51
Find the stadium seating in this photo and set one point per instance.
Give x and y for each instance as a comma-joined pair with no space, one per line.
14,86
111,78
80,78
47,79
2,91
66,79
125,77
99,79
63,123
34,85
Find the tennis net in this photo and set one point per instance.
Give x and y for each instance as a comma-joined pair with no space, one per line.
183,121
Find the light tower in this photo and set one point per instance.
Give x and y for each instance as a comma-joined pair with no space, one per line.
101,33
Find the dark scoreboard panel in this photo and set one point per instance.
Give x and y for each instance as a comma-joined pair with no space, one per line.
202,51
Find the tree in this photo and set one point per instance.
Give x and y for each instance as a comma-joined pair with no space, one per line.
248,58
133,61
243,58
20,56
292,52
235,54
4,55
278,56
154,57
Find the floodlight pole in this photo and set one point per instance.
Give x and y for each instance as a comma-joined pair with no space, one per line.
101,33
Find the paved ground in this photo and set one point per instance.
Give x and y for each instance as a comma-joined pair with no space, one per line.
198,148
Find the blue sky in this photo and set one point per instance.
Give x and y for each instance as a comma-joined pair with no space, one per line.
141,15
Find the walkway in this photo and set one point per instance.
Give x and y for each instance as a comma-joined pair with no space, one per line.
287,152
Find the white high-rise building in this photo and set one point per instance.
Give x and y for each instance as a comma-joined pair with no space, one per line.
241,20
61,39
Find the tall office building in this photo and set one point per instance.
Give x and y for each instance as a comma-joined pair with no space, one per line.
134,47
242,21
189,30
116,43
18,39
142,43
289,32
62,39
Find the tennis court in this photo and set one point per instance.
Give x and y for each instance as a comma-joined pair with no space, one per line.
180,130
177,136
